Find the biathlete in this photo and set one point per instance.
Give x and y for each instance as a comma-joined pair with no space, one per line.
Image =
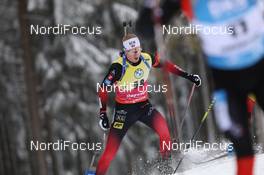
129,74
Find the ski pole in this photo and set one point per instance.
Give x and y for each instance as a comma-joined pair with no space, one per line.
104,140
197,131
91,170
187,107
204,118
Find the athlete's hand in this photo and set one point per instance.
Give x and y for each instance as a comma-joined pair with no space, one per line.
195,79
104,122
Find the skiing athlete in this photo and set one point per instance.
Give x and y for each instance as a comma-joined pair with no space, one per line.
128,74
236,60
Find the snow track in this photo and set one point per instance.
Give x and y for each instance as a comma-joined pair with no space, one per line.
223,166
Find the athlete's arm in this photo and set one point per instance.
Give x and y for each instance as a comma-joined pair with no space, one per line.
111,77
114,74
168,66
173,68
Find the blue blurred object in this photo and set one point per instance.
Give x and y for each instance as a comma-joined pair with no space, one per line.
89,172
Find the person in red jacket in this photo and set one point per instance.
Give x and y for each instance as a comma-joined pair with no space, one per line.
128,74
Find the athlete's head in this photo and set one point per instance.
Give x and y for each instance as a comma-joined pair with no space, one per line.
132,47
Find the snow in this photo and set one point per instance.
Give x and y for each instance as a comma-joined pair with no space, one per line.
112,53
85,54
201,162
124,12
87,8
55,102
41,63
58,11
33,4
224,166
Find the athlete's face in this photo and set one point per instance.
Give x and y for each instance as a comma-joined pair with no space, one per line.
133,54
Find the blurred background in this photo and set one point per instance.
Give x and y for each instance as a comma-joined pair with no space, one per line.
48,87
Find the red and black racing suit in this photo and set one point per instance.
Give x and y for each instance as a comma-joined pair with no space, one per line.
128,112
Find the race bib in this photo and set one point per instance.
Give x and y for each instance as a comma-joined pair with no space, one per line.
234,42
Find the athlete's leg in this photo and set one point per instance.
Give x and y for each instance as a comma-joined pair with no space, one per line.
122,121
114,139
232,118
156,121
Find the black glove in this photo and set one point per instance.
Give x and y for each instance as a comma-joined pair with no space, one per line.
195,79
104,122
